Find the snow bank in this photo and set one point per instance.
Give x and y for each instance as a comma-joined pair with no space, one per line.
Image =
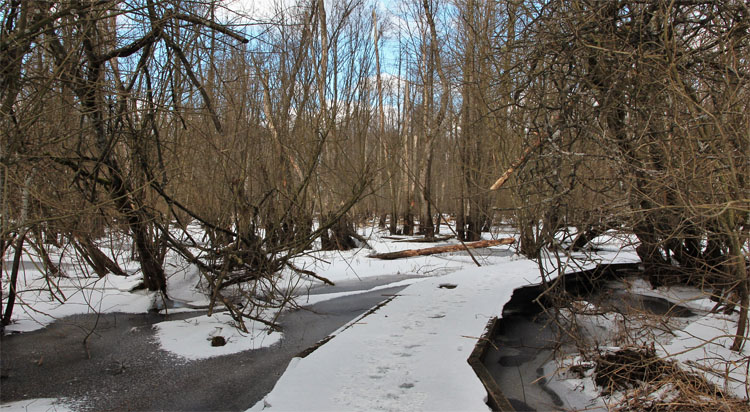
36,307
703,346
412,353
309,300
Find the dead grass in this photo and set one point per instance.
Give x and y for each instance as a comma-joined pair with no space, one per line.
649,383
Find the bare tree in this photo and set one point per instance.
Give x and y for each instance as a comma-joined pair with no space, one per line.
638,107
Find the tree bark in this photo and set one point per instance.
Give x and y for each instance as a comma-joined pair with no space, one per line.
13,280
101,262
442,249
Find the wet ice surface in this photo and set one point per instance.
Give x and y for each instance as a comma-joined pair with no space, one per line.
123,367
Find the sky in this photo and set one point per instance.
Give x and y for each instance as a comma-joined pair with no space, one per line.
389,15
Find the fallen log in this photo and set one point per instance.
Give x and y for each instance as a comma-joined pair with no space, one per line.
424,239
442,249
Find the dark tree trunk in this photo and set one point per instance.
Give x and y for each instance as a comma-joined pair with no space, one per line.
650,254
153,272
138,220
325,241
426,226
528,246
486,223
587,235
409,224
100,262
96,265
461,222
2,267
341,236
739,340
473,227
13,280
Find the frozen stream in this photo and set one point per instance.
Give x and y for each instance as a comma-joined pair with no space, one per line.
526,340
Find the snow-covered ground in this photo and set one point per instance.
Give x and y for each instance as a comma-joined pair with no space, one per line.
409,354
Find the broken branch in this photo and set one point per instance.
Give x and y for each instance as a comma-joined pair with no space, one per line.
518,163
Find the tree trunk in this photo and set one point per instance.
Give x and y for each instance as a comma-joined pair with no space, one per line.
474,221
101,263
153,272
341,236
408,223
739,339
427,226
461,220
527,229
13,280
442,249
738,266
393,224
2,268
381,220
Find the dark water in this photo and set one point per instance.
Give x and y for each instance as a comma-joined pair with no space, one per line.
123,368
524,344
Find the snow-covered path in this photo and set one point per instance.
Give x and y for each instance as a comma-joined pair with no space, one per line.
410,354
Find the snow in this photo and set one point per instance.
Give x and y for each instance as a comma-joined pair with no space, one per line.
36,405
578,394
703,347
410,354
699,344
36,307
191,338
183,284
684,295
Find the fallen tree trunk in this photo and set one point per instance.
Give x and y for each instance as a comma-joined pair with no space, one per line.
442,249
